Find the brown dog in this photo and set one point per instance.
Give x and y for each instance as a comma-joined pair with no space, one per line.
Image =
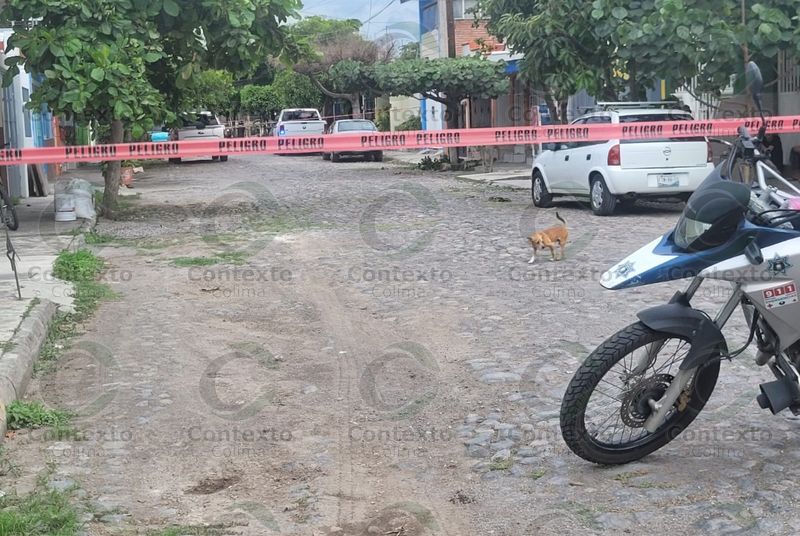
549,238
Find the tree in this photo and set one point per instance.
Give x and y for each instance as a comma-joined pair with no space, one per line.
296,90
336,42
212,90
445,80
410,51
618,44
261,100
124,62
563,54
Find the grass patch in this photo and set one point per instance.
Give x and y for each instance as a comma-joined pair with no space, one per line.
232,257
87,297
187,531
32,415
537,474
185,262
625,478
501,465
95,238
5,346
41,513
81,265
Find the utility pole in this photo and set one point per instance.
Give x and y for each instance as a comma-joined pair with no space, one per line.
451,28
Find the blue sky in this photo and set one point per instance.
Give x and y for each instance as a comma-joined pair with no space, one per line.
398,18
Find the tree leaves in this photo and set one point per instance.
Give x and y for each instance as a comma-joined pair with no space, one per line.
171,8
98,74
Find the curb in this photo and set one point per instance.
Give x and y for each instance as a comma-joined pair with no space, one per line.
16,365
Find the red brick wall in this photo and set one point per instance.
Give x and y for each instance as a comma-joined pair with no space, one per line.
466,34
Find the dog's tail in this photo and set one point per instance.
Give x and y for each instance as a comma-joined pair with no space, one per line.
559,218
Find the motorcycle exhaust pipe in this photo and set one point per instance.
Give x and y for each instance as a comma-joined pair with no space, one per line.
777,396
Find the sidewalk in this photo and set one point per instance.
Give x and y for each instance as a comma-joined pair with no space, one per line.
515,176
505,175
24,322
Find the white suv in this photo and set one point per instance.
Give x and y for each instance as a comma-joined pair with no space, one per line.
613,172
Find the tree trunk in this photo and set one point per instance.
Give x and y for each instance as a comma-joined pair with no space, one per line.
453,116
552,108
355,106
113,173
563,105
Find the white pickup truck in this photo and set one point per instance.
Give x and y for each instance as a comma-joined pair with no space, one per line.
300,122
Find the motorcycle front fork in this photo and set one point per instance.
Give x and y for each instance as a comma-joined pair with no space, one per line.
660,408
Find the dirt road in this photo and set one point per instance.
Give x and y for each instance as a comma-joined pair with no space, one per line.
307,348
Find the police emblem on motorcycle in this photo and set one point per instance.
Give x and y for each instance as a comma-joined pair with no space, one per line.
778,265
625,269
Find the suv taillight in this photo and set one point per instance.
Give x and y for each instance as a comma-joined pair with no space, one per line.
710,153
613,156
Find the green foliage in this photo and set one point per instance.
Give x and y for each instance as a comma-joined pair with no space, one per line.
81,265
617,44
323,31
131,60
212,90
434,164
383,119
410,51
446,80
412,123
41,513
32,415
297,90
261,100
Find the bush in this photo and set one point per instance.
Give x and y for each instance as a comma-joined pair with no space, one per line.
413,123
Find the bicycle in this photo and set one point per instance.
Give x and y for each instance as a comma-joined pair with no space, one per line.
8,212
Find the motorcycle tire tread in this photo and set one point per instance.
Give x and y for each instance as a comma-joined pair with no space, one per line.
588,377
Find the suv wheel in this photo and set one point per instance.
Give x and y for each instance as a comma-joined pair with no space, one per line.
541,197
603,203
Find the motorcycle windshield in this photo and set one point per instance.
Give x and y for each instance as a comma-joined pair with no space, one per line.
663,260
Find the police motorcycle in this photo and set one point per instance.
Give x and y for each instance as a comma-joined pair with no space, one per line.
643,386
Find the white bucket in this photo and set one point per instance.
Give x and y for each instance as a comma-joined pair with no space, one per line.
65,207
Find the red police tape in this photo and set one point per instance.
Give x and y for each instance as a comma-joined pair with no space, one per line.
379,141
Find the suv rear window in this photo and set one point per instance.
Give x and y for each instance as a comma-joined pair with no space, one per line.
205,120
655,118
349,126
300,115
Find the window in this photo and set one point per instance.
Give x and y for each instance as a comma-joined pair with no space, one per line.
354,126
463,9
596,120
26,96
654,118
430,18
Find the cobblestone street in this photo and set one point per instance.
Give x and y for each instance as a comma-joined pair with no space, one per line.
308,348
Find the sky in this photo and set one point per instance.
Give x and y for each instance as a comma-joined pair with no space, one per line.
400,20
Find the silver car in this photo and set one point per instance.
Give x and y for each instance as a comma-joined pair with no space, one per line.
353,126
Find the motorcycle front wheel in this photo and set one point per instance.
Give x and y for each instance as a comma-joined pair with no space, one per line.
606,403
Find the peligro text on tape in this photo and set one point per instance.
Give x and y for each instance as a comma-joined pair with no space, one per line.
355,142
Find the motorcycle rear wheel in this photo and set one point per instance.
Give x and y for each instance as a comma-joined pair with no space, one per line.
582,432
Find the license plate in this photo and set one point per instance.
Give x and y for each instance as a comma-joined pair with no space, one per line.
668,181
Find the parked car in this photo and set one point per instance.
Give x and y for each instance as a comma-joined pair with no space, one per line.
353,126
614,172
300,122
199,126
